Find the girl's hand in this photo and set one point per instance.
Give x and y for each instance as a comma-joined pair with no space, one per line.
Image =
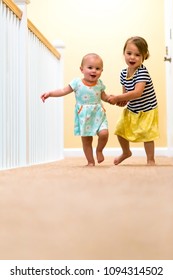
112,99
44,96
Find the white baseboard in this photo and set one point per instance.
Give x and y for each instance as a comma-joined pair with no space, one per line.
162,151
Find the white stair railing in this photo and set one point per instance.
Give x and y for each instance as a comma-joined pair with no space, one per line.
45,134
30,132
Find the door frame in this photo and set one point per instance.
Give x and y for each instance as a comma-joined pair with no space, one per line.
168,8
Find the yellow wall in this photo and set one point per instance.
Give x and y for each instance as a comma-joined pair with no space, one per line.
102,27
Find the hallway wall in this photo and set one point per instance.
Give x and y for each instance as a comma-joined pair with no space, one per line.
102,27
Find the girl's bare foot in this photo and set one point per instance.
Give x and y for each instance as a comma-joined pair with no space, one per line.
151,162
122,157
100,156
90,164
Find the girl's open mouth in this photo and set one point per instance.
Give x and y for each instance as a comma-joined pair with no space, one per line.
132,63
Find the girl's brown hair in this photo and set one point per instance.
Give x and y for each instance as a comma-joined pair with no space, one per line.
141,44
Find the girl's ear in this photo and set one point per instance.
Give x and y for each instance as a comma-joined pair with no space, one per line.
81,69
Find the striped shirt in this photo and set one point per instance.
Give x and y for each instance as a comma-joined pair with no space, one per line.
148,100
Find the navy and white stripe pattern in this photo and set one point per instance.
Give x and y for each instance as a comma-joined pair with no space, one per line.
148,100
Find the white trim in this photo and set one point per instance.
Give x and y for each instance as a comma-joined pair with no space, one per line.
160,151
168,6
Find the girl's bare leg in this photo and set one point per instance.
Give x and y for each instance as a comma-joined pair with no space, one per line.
102,140
125,150
88,150
149,149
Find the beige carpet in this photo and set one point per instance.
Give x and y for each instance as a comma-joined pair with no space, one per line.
63,210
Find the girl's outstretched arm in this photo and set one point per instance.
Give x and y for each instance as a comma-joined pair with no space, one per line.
57,93
126,96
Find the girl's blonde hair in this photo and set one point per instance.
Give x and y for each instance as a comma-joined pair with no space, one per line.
141,44
91,55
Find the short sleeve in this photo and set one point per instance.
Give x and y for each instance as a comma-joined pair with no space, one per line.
102,86
74,84
122,78
142,75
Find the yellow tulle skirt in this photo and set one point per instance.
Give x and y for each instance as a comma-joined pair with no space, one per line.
140,127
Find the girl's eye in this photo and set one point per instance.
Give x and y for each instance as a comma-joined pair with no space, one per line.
137,54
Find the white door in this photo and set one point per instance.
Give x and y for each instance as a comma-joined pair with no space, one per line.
169,72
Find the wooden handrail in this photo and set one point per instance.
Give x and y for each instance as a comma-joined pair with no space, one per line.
13,7
41,37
